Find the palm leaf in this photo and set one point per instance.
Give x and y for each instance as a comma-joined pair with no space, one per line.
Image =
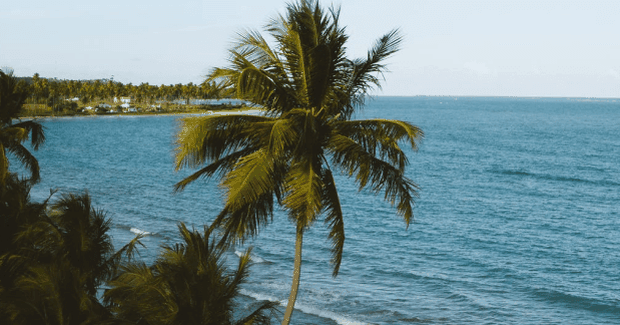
26,159
381,137
255,48
223,165
256,86
334,218
35,129
259,315
252,177
208,138
4,165
368,170
12,134
245,221
364,70
303,198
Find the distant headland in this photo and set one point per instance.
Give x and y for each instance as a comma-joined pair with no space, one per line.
62,97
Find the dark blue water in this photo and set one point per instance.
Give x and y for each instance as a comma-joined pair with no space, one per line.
518,220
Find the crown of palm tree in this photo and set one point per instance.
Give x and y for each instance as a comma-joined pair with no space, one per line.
309,90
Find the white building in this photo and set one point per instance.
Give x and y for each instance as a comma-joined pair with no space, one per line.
125,100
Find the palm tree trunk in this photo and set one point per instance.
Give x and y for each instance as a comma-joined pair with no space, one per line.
296,276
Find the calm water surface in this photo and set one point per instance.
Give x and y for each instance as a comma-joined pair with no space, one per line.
517,221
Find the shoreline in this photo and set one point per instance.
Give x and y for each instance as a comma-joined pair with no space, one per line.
245,110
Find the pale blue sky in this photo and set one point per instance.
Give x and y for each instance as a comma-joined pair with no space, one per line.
484,48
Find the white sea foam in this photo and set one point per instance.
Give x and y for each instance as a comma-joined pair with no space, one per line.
261,297
328,314
253,258
306,309
140,232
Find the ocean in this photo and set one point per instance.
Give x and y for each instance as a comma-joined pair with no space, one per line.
517,222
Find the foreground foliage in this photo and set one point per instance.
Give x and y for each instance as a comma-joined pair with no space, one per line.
310,90
188,284
56,258
13,135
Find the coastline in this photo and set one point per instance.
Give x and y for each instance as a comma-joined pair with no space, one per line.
243,110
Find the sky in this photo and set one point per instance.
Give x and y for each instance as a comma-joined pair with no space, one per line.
540,48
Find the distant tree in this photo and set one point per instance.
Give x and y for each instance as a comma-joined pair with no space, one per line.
211,89
36,88
110,90
67,106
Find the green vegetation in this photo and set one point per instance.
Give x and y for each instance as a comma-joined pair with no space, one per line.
13,94
52,97
56,258
310,90
188,284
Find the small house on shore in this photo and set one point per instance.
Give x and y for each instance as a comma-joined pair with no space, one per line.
124,100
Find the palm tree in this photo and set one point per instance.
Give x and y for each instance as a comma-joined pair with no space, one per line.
188,284
53,257
309,90
68,255
13,135
75,231
16,212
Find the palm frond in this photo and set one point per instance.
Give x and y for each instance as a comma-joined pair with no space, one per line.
263,311
294,52
11,134
138,295
26,159
4,165
368,170
188,284
84,239
364,74
221,166
321,70
36,131
257,75
252,177
256,49
128,250
365,70
245,221
12,97
208,138
380,137
303,188
256,86
334,218
282,136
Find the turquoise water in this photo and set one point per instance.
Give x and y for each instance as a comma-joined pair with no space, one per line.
517,221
